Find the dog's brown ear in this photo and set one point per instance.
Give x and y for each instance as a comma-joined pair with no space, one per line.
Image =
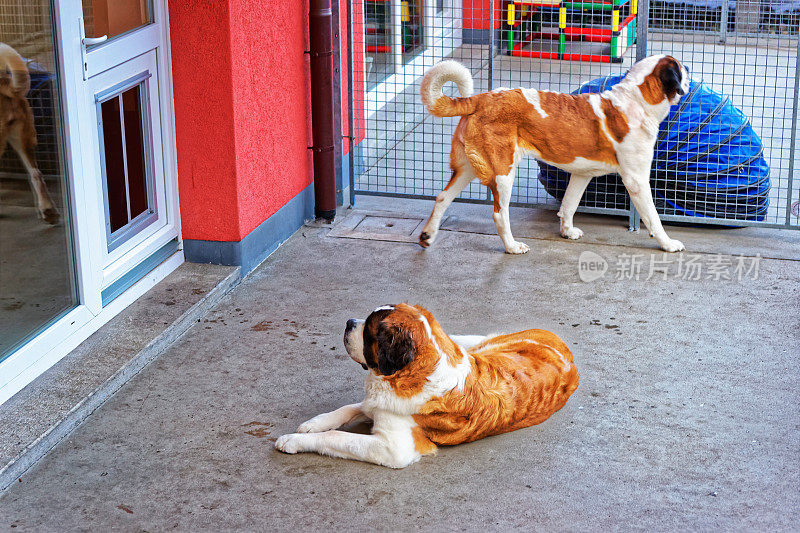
396,348
671,77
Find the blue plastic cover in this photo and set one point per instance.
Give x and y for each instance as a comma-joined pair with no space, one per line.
708,162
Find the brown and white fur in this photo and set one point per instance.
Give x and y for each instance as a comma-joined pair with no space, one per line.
16,126
586,135
425,388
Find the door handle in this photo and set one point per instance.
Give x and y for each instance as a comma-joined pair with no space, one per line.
89,41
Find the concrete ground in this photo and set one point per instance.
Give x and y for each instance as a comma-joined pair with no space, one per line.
686,417
37,417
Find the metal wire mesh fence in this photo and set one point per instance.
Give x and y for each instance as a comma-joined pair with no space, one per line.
725,155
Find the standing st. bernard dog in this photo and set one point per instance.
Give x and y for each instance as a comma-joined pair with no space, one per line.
425,388
17,127
586,135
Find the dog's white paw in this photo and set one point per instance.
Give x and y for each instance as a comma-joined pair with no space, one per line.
314,425
672,245
572,233
517,247
291,443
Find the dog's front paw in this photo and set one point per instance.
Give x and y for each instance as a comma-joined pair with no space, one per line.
426,238
672,245
517,247
314,425
51,216
571,233
291,443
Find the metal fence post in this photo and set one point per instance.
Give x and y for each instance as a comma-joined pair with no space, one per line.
793,141
491,47
489,82
642,23
723,22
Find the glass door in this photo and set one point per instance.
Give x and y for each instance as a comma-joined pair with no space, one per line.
37,263
412,27
88,180
379,61
122,54
394,34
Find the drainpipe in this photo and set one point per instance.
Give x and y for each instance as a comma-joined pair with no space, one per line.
319,26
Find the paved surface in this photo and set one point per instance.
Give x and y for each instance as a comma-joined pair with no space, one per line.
686,416
50,398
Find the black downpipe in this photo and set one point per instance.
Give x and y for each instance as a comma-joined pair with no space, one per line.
320,34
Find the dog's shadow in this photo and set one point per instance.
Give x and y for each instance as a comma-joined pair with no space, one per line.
362,428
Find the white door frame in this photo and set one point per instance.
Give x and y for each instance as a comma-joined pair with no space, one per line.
113,264
92,272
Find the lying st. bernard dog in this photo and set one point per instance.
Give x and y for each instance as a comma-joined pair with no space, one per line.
425,388
587,135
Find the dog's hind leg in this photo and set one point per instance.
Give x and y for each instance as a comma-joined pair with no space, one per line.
335,419
23,141
638,185
501,191
462,176
569,204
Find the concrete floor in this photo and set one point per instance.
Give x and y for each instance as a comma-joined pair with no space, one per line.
30,421
686,416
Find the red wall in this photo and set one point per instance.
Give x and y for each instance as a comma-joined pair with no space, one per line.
476,14
242,112
204,131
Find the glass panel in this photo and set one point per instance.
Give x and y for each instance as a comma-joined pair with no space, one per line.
413,28
116,191
126,178
37,271
378,40
114,17
137,184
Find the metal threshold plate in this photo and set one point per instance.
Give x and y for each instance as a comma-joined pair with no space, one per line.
379,227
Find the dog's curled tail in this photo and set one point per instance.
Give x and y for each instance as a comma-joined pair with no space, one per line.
20,81
431,90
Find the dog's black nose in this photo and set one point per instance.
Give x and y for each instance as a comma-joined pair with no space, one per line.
350,324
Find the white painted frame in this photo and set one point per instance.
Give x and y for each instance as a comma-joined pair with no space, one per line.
118,262
441,37
67,332
134,225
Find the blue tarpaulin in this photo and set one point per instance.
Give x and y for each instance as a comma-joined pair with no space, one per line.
708,162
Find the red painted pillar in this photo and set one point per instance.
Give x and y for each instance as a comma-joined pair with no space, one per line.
242,115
